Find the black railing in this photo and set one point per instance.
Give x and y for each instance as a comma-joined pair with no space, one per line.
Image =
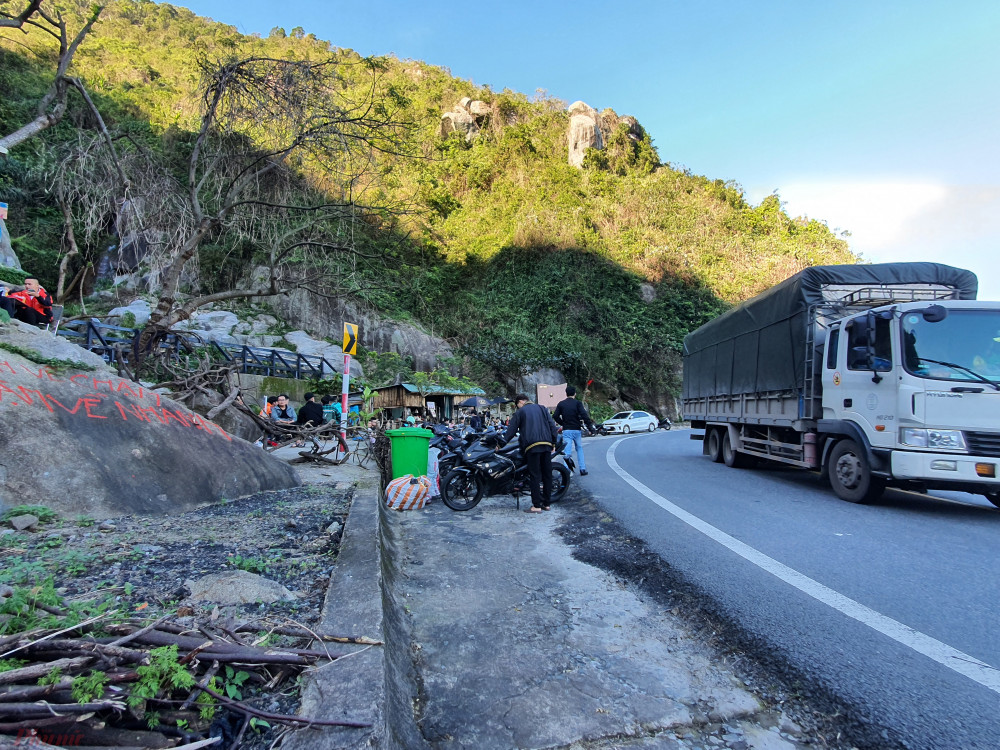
279,363
114,343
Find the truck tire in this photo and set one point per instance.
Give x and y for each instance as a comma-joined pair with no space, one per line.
730,456
851,476
714,442
993,497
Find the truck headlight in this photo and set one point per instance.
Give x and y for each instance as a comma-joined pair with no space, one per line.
927,438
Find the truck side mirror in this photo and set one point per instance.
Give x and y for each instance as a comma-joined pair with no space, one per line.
934,313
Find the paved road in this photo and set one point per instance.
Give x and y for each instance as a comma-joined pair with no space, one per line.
892,608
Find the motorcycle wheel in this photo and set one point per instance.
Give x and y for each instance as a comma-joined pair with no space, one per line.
461,490
560,481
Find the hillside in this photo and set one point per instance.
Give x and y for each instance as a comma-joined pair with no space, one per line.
494,242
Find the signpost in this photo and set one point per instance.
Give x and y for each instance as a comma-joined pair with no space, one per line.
350,347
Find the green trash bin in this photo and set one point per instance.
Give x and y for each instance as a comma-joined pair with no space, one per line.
409,446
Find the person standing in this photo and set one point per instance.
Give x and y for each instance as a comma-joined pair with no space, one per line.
572,415
536,435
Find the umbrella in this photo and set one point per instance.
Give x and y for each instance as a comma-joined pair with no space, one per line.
500,400
476,402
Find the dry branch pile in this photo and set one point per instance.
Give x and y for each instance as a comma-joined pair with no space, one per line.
173,682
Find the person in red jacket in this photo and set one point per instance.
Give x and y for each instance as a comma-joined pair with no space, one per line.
32,304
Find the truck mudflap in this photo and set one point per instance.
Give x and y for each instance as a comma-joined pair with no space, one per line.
879,459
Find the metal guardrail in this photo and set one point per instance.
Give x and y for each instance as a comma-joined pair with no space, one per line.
111,342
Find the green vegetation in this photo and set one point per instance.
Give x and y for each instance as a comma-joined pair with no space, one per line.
12,275
53,363
495,243
43,514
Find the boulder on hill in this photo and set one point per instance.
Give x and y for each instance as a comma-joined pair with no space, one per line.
78,439
584,132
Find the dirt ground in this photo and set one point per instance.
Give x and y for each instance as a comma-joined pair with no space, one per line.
143,565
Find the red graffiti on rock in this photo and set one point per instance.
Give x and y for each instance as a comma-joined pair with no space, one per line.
107,398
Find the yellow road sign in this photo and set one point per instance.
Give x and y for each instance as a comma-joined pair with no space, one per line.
351,339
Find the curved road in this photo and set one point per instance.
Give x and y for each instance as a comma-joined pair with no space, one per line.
893,607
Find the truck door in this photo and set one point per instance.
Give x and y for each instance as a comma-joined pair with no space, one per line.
867,357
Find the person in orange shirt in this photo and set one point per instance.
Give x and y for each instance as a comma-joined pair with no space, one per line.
32,304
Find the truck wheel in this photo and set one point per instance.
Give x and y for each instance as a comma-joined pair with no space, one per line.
851,476
730,456
714,440
993,497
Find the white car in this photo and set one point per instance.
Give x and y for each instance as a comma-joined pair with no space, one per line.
632,421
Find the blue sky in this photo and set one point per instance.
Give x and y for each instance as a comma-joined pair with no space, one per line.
881,117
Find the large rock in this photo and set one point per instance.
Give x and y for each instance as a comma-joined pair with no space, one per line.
306,344
86,442
325,317
139,308
7,256
584,132
467,118
459,121
238,587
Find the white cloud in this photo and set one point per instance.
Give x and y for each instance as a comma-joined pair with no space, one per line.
908,221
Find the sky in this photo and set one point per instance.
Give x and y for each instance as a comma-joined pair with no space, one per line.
879,117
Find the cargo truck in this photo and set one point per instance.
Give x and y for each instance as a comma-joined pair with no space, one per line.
873,375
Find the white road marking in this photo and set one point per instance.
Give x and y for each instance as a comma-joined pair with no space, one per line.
976,670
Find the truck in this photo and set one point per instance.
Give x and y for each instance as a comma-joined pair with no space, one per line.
872,375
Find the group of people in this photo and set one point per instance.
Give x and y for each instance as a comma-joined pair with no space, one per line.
32,304
538,431
279,410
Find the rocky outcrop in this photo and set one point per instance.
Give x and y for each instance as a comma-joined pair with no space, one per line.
7,256
467,118
590,129
78,439
323,317
584,132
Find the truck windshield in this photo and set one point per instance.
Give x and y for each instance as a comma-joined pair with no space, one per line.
963,345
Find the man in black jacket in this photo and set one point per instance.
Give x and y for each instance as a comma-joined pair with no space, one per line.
311,413
536,434
572,415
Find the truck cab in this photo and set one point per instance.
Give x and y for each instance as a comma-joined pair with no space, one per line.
921,384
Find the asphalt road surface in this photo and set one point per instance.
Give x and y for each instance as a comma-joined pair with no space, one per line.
892,608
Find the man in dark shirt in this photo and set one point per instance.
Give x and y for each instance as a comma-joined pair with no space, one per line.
536,435
572,415
311,413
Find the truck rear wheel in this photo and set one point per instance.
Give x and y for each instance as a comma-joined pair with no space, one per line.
714,442
730,456
851,476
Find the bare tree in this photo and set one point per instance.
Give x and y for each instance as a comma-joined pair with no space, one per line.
53,105
278,168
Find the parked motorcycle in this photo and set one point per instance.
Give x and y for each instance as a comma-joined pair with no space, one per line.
484,470
665,423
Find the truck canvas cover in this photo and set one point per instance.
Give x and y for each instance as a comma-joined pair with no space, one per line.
760,345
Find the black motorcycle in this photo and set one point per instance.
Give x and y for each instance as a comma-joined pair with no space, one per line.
665,423
484,470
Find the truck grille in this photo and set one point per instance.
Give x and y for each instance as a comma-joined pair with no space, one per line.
983,443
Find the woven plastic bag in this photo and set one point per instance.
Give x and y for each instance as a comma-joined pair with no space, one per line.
407,492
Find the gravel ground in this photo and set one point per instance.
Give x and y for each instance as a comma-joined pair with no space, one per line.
142,564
